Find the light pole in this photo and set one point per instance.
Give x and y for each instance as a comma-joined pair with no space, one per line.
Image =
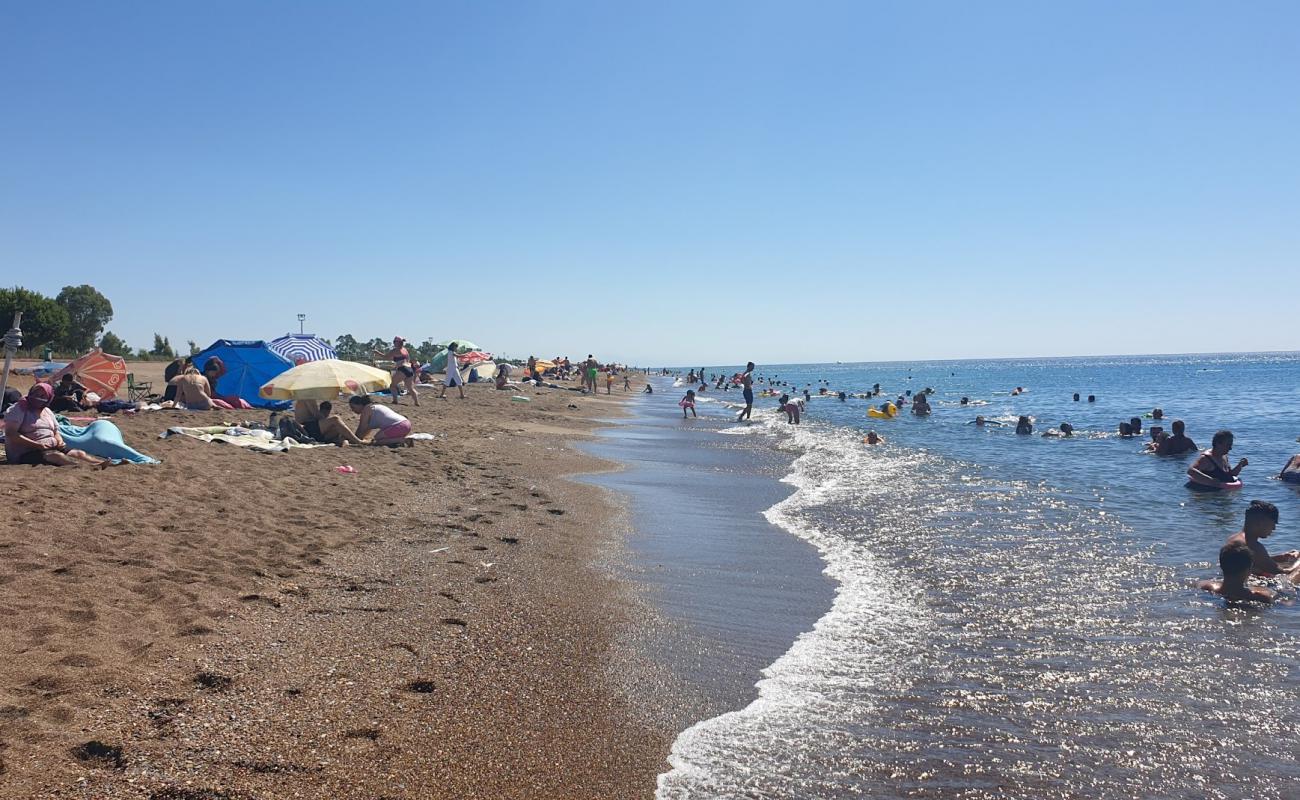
301,319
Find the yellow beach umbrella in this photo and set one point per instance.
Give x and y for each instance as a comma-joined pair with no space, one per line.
325,379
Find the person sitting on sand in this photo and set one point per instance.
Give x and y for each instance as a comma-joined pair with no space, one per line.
502,378
330,427
390,427
1235,560
68,395
193,391
1291,472
1177,443
1023,426
307,414
32,433
688,402
1210,472
873,438
1261,521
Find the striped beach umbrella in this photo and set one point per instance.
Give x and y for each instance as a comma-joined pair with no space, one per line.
300,348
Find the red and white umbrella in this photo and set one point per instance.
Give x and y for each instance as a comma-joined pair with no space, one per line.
99,372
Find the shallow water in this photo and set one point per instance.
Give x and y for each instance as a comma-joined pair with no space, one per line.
1015,616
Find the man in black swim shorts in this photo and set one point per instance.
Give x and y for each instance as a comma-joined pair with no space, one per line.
747,381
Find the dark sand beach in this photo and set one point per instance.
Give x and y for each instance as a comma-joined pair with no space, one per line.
238,625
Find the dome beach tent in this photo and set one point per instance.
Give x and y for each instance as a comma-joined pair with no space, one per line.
249,364
300,348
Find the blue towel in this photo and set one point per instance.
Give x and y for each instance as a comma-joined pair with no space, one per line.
101,438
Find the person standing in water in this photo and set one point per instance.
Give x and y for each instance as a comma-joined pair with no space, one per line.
747,381
1261,520
1235,559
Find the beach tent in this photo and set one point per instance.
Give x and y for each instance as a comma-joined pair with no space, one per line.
481,371
300,348
99,372
249,364
41,371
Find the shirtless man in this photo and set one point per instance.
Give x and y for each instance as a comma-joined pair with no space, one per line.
1178,443
192,390
589,368
1235,561
1261,519
747,382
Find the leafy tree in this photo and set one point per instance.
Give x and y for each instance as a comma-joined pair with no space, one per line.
45,322
88,313
426,351
349,349
194,347
162,348
111,343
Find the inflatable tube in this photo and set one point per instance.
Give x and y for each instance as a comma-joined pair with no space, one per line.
1233,485
878,414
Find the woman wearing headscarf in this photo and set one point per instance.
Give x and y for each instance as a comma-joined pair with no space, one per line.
32,433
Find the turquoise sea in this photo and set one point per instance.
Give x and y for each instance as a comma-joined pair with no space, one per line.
1015,616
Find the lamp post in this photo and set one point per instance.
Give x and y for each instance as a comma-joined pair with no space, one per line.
301,319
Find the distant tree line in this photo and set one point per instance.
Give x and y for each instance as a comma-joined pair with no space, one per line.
73,322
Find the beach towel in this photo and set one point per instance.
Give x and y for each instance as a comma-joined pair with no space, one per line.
256,440
101,438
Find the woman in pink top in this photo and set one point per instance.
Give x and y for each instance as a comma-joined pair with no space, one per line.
32,433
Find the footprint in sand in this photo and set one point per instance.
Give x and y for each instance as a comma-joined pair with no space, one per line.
97,754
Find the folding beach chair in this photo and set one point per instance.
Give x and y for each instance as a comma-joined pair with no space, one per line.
137,392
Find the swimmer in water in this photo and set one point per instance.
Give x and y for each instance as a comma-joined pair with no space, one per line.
1261,520
980,422
1066,431
1235,560
1210,472
1023,426
1291,472
873,438
1178,443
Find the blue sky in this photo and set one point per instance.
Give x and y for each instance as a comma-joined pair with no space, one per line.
667,182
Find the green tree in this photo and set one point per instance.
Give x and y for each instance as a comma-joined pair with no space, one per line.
426,351
88,313
162,348
45,322
194,347
349,349
111,343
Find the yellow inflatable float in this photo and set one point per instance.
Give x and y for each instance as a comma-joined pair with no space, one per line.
888,412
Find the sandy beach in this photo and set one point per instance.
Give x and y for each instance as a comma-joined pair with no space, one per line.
231,624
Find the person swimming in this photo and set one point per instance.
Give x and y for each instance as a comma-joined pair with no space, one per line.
873,438
1066,431
1023,426
1210,472
1178,443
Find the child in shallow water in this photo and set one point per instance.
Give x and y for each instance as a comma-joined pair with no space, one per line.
1235,560
688,402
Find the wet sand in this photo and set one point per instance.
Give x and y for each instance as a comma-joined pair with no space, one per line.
238,625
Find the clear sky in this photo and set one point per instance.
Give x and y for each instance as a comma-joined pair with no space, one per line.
664,182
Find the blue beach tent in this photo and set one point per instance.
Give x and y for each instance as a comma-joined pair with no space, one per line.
249,364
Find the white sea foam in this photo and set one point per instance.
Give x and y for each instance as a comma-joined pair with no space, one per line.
800,702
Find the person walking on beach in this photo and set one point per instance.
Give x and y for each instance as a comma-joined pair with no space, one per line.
688,402
747,381
403,370
453,374
589,368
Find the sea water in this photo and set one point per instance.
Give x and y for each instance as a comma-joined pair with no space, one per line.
1015,616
